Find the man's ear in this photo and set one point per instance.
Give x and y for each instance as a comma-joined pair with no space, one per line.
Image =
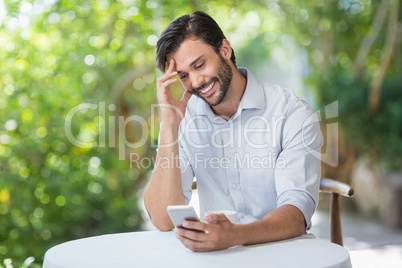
226,49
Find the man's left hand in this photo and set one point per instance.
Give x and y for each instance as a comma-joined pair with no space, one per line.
216,234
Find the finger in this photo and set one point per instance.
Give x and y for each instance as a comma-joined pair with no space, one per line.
195,225
191,234
164,83
169,82
196,245
215,218
194,240
166,76
171,66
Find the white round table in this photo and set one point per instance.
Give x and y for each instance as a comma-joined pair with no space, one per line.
162,249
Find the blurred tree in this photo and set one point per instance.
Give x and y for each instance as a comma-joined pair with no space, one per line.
55,56
354,49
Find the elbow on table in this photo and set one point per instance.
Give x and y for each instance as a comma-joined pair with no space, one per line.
165,228
163,224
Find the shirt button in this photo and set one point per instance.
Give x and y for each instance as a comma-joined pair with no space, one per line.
234,186
230,156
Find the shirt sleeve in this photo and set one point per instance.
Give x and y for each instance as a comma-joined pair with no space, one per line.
297,179
187,175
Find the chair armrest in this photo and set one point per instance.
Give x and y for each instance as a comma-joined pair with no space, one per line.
335,188
194,185
332,186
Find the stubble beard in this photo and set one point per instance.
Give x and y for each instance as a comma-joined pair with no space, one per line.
224,78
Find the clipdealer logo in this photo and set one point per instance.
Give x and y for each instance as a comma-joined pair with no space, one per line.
109,125
200,160
331,154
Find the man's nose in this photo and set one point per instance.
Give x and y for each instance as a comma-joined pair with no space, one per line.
197,80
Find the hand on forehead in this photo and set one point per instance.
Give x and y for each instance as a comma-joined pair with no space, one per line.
188,53
170,65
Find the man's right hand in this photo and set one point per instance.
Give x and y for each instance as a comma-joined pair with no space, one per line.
165,186
172,110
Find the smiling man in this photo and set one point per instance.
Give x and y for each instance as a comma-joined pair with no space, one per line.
247,143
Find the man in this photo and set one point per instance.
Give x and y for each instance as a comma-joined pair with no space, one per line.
245,142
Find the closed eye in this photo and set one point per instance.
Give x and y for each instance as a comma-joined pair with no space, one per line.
199,66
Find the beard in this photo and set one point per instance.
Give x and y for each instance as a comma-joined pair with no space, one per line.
224,78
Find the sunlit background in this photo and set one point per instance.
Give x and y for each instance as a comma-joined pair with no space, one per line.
77,83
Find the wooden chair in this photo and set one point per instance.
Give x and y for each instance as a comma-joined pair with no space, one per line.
335,188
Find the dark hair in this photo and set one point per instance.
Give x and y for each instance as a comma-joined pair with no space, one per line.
199,25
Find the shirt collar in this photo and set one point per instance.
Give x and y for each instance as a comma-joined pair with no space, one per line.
253,97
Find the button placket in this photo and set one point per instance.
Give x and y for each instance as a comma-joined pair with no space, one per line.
232,173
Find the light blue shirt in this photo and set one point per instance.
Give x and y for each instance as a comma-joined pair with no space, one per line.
258,160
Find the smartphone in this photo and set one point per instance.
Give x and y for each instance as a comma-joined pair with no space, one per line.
179,214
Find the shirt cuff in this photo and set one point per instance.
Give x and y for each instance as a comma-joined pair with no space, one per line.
302,200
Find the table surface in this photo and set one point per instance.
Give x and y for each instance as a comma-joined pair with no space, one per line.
162,249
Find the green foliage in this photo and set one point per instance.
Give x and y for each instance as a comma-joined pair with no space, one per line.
379,136
51,190
332,35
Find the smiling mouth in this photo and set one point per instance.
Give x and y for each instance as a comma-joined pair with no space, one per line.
204,91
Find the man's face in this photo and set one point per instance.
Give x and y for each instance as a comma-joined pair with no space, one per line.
202,71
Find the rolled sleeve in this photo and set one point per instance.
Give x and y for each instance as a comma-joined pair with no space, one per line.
297,183
302,200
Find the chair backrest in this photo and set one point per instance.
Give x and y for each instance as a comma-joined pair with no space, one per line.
335,188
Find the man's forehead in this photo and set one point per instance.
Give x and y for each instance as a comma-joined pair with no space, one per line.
180,66
189,52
